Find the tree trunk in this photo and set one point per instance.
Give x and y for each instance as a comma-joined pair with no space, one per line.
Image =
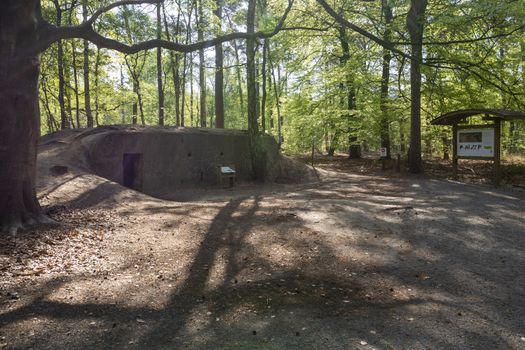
97,65
348,99
141,105
253,127
219,73
174,63
415,24
202,73
239,77
385,81
75,82
160,89
19,116
87,92
135,106
263,78
277,94
64,120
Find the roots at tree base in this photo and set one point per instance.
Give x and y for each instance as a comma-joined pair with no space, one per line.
14,223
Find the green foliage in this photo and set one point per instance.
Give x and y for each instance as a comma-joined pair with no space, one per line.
474,54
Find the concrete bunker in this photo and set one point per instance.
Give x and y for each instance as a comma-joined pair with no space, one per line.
158,159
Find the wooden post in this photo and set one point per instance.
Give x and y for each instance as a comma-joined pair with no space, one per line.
455,151
497,151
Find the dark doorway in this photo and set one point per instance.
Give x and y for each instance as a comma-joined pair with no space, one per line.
132,170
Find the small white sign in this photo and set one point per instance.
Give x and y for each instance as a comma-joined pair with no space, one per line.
382,152
476,142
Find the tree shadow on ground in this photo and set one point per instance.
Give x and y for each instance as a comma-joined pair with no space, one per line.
237,294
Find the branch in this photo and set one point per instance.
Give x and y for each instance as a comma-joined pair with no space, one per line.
466,41
108,8
345,23
85,31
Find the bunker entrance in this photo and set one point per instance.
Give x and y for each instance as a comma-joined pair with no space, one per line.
132,170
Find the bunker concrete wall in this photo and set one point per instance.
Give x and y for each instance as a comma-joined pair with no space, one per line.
178,158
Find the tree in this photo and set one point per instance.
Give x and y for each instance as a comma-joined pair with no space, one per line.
160,87
385,78
87,95
219,73
415,25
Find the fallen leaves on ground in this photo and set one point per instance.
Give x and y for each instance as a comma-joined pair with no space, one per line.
75,245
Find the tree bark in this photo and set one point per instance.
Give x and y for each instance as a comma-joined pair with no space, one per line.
348,97
263,78
415,24
75,82
239,76
174,64
219,74
385,80
97,65
64,120
87,92
202,73
19,116
160,89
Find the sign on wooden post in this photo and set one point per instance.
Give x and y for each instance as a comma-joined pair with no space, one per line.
476,142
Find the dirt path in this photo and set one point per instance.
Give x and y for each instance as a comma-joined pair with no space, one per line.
351,262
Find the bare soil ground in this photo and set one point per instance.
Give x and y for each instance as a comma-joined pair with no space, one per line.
357,260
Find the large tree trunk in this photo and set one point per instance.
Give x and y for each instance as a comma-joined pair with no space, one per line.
415,24
19,115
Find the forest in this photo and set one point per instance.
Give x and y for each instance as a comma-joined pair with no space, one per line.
262,174
317,81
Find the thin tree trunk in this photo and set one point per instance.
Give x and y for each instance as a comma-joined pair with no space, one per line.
183,94
51,122
174,64
134,107
202,73
385,80
160,89
75,82
219,73
64,120
239,76
87,92
191,92
250,70
141,105
97,65
277,98
263,78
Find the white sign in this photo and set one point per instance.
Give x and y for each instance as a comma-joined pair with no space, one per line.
382,152
476,142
